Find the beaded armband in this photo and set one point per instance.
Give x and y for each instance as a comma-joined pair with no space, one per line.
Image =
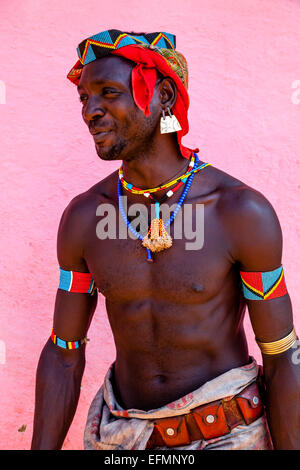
73,281
263,285
67,344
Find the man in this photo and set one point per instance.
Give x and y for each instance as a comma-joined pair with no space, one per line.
182,377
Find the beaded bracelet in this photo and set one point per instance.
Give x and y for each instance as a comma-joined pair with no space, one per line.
67,344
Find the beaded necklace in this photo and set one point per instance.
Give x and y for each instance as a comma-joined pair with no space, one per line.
180,180
168,193
157,238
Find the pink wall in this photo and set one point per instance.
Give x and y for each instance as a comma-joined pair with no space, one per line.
245,117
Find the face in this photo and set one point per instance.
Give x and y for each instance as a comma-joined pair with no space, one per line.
119,128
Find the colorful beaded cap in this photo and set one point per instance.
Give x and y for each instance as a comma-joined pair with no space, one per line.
102,44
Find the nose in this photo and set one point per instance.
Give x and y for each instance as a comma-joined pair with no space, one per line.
93,110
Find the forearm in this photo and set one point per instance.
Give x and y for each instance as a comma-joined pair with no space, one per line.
58,382
282,376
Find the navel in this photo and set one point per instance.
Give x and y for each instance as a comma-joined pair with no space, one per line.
161,379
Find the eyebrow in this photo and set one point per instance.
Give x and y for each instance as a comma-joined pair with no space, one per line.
101,82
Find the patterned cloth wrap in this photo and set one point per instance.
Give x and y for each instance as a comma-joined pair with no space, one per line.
151,53
110,427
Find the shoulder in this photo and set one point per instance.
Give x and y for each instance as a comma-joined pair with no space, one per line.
251,223
77,218
84,205
245,204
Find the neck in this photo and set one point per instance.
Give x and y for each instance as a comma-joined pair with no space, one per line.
157,165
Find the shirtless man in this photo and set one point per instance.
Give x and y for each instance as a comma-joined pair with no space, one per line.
177,322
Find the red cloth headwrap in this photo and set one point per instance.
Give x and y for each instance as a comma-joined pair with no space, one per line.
143,82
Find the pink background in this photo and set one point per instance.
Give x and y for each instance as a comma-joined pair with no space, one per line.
243,58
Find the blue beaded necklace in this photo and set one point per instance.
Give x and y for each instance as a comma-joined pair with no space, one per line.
172,216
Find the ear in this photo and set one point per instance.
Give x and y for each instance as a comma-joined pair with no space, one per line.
167,93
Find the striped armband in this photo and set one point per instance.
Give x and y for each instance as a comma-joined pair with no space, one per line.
73,281
263,285
67,344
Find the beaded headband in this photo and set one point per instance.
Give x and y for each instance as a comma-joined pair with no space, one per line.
102,44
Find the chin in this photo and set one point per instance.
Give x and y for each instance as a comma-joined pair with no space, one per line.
107,158
110,153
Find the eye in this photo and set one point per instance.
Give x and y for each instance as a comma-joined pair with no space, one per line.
82,98
110,92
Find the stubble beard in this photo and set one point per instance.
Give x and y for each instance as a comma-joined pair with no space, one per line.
113,153
140,143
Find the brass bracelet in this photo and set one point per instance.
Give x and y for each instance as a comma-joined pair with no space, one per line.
279,346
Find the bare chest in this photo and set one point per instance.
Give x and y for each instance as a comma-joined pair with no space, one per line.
193,270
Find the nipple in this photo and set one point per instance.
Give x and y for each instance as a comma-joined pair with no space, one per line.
197,287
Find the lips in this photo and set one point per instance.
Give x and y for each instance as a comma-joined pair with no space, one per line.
98,131
100,135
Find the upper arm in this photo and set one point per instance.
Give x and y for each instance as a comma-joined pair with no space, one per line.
257,247
73,311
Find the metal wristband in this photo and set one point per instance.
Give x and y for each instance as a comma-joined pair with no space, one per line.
279,346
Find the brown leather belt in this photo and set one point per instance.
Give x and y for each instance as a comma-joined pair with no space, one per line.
208,421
